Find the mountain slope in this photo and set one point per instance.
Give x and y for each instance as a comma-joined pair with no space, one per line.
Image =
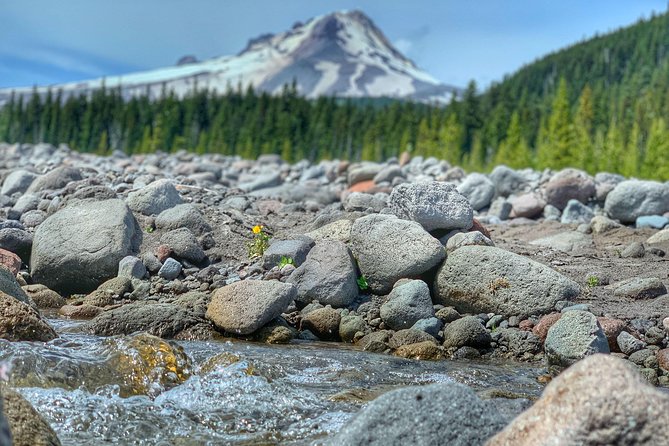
339,54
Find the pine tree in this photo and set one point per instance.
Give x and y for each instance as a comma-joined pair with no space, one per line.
450,140
655,164
561,138
514,151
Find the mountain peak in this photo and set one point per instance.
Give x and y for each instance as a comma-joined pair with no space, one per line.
338,54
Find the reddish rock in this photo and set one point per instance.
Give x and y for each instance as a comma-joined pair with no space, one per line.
663,359
363,186
10,261
528,205
266,207
163,252
569,184
477,226
80,311
612,328
526,325
546,322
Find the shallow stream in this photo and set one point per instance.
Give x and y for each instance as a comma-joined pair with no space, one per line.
95,390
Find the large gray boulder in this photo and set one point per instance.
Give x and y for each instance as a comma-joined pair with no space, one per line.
80,246
245,306
478,189
632,199
434,205
328,275
600,400
154,198
485,279
27,426
17,181
407,304
183,216
574,336
389,249
438,414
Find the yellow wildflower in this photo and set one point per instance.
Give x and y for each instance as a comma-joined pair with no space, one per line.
257,229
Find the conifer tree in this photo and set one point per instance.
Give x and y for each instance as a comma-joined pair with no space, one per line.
514,151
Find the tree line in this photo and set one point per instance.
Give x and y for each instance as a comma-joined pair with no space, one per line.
600,105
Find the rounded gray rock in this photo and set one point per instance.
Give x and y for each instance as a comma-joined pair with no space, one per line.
484,279
80,246
170,270
154,198
478,189
17,181
632,199
131,267
55,179
574,336
328,275
389,249
434,205
183,216
466,331
407,304
438,414
184,245
506,180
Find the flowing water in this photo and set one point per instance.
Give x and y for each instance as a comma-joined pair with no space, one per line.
137,391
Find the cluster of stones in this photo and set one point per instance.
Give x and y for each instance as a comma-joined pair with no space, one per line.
396,258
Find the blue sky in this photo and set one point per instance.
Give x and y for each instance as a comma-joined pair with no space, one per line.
47,41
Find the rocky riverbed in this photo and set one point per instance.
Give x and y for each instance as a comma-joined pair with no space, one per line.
183,299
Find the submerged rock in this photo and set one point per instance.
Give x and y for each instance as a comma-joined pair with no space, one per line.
21,322
447,413
27,426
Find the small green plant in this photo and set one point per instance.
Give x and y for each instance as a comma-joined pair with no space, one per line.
259,244
362,283
593,281
285,261
149,229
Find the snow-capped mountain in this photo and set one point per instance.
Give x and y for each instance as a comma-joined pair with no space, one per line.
340,54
